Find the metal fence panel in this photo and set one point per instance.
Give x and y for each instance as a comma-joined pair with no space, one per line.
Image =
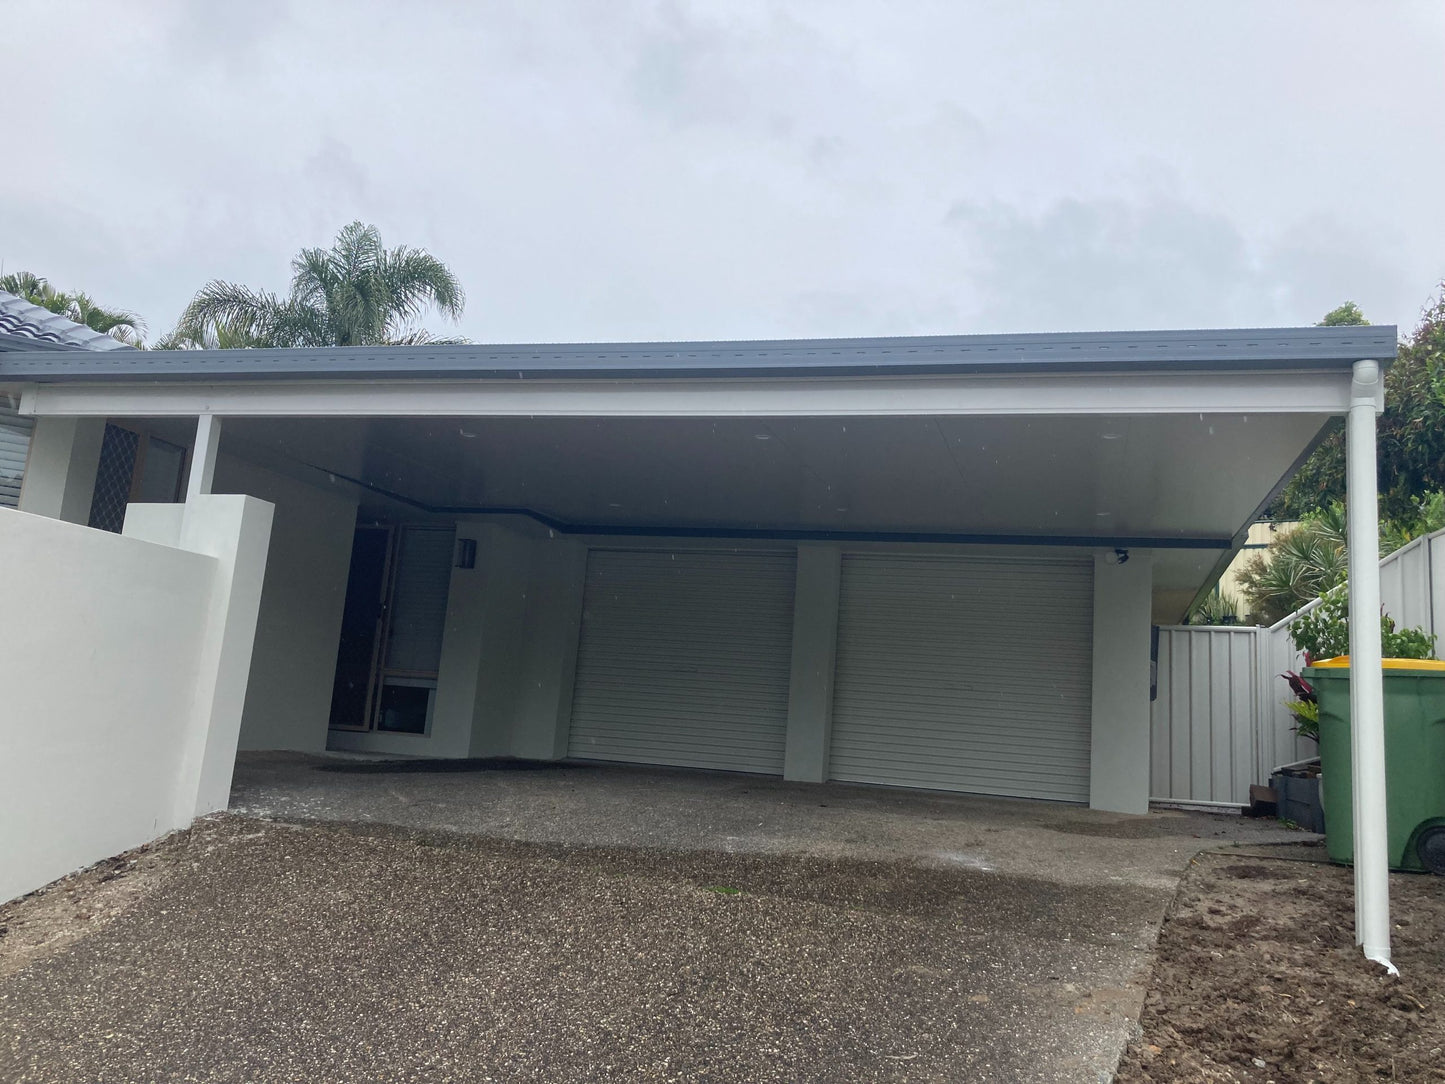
1219,722
1202,721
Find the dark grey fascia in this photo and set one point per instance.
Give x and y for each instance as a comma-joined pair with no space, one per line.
1130,351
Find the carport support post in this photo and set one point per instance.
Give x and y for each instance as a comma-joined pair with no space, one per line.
1367,697
203,455
1119,735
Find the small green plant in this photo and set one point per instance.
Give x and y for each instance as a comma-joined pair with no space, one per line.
1215,608
725,890
1324,632
1306,718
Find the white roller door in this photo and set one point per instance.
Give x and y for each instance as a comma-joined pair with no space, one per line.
964,673
684,659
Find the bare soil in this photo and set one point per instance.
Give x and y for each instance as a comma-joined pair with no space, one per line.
1257,978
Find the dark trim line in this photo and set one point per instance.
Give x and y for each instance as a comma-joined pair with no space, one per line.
784,534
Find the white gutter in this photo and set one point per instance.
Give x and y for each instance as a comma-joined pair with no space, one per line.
1367,705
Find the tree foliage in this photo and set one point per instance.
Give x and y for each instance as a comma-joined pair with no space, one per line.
1411,444
356,293
78,306
1324,632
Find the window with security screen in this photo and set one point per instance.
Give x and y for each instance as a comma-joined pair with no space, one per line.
133,468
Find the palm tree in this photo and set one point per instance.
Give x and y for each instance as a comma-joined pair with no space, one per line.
356,293
78,306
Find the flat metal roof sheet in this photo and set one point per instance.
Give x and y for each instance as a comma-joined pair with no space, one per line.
1231,349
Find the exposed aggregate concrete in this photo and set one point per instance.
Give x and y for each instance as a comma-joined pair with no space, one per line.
318,951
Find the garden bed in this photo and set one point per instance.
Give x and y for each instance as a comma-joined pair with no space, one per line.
1257,978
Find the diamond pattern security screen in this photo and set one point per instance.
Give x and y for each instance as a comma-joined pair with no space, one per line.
113,478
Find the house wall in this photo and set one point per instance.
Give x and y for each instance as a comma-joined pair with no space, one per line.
293,666
509,659
123,682
60,470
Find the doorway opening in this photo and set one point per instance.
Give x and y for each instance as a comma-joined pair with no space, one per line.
391,629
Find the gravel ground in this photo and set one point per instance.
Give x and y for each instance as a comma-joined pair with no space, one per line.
271,952
364,922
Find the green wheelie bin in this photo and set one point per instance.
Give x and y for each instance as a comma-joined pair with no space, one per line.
1414,760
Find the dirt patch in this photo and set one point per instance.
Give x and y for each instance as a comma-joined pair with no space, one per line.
60,914
1257,978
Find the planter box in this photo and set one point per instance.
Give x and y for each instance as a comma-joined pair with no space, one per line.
1299,800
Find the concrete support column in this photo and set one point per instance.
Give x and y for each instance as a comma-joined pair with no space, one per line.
815,648
1119,747
1367,695
60,471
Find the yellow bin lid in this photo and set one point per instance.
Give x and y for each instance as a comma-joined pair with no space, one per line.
1343,662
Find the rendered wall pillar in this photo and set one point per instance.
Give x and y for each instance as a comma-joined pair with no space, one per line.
542,717
465,643
60,471
236,530
815,648
1119,753
509,655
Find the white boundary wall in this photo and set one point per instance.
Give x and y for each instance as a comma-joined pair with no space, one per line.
1219,722
126,662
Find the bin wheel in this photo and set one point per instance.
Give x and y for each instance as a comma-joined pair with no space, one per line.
1431,848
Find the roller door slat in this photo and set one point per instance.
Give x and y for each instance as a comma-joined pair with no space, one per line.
684,659
960,673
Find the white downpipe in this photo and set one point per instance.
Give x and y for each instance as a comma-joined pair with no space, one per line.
1367,696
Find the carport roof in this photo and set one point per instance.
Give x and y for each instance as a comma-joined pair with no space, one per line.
1305,348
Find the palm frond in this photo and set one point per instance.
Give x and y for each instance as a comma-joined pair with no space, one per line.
117,323
24,284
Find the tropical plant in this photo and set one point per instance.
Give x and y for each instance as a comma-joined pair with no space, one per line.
1215,608
356,293
78,306
1323,632
1298,566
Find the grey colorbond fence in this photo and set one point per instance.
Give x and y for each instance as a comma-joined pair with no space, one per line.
1219,723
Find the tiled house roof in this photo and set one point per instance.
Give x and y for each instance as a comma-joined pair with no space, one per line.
23,326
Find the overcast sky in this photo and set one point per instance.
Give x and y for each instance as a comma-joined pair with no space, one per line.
733,170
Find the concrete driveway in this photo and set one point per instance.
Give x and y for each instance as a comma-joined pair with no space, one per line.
601,923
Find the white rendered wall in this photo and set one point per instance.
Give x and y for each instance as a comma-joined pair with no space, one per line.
293,665
60,469
126,659
1119,745
505,683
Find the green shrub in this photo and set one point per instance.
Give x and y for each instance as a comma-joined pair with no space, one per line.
1324,632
